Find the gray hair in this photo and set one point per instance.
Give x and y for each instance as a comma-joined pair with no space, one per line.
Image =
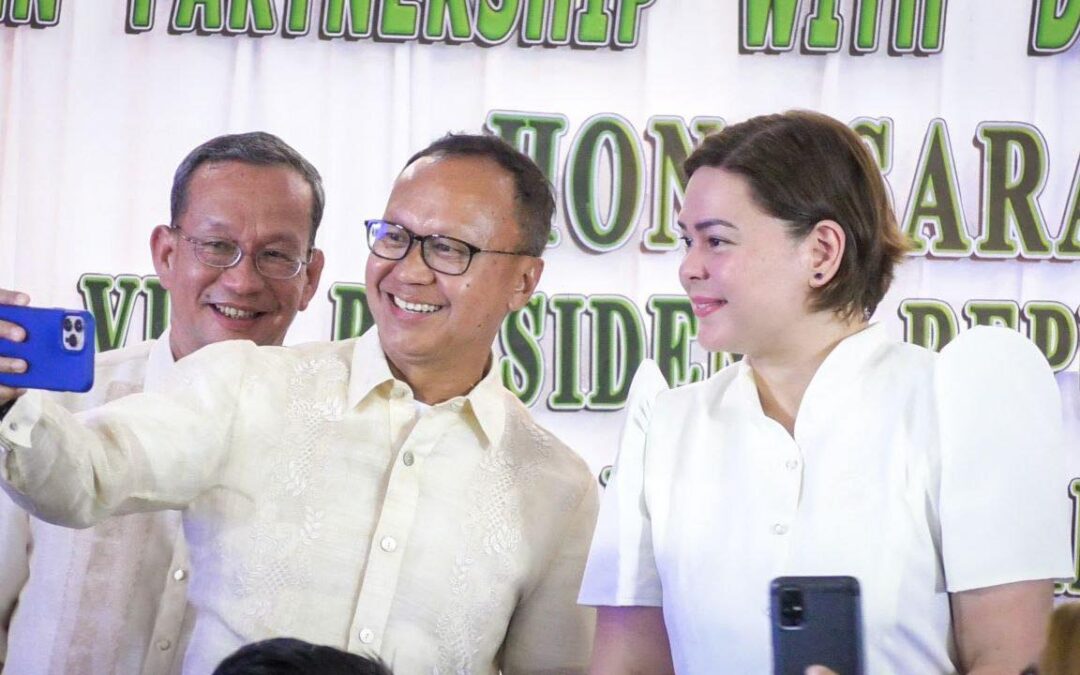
256,147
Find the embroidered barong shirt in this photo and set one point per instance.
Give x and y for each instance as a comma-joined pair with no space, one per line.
319,504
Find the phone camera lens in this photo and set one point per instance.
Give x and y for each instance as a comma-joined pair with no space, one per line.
72,341
78,325
791,607
67,324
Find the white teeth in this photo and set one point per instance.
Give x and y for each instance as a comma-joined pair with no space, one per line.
234,313
415,306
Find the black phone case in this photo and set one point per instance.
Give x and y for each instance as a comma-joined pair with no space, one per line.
58,349
829,632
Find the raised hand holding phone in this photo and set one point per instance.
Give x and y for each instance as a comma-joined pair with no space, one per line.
43,348
15,333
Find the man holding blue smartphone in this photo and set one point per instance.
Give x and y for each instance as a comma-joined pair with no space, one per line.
384,494
239,262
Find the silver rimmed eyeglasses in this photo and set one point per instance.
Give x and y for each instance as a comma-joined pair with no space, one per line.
224,253
439,252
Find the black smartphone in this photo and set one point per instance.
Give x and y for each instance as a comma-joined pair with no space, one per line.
816,621
58,349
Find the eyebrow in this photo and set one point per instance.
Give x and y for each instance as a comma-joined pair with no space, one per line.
706,224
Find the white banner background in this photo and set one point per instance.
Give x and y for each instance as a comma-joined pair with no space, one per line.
93,121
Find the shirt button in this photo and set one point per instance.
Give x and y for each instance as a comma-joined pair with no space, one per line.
779,528
792,464
179,575
388,544
407,459
367,636
14,426
164,644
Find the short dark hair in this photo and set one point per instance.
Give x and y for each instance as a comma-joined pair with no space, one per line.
805,167
256,147
533,193
290,656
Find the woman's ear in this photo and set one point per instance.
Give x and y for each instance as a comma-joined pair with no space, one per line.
824,248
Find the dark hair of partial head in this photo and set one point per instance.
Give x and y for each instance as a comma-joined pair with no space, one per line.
1061,655
804,167
289,656
256,147
533,195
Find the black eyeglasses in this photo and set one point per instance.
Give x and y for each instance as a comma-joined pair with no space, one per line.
225,253
439,252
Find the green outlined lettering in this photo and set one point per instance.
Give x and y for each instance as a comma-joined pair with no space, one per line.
1072,589
297,18
1055,26
495,24
253,17
823,28
33,13
628,22
566,392
618,347
1068,241
1014,173
610,140
202,16
720,360
140,15
1052,327
918,27
593,24
928,323
671,145
767,25
519,338
352,316
352,25
878,132
864,29
1003,313
674,329
538,135
157,308
436,13
398,20
111,301
934,203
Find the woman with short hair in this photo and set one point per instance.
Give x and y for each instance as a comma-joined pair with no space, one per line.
830,448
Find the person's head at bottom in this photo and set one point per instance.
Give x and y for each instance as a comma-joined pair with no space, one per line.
290,656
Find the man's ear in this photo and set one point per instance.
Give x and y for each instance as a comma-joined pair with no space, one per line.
163,251
312,272
525,281
824,251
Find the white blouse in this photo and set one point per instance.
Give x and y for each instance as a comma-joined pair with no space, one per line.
919,474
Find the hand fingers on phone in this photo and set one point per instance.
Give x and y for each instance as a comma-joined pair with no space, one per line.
9,393
8,297
10,365
12,331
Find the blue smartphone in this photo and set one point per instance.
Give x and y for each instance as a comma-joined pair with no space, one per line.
816,621
58,349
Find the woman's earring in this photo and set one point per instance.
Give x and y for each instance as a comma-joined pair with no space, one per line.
819,276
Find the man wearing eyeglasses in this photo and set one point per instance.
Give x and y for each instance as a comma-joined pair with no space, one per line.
239,261
382,494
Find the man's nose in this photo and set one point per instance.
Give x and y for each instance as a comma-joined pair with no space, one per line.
412,267
243,277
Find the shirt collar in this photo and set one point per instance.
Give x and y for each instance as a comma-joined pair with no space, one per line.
371,370
846,362
159,362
